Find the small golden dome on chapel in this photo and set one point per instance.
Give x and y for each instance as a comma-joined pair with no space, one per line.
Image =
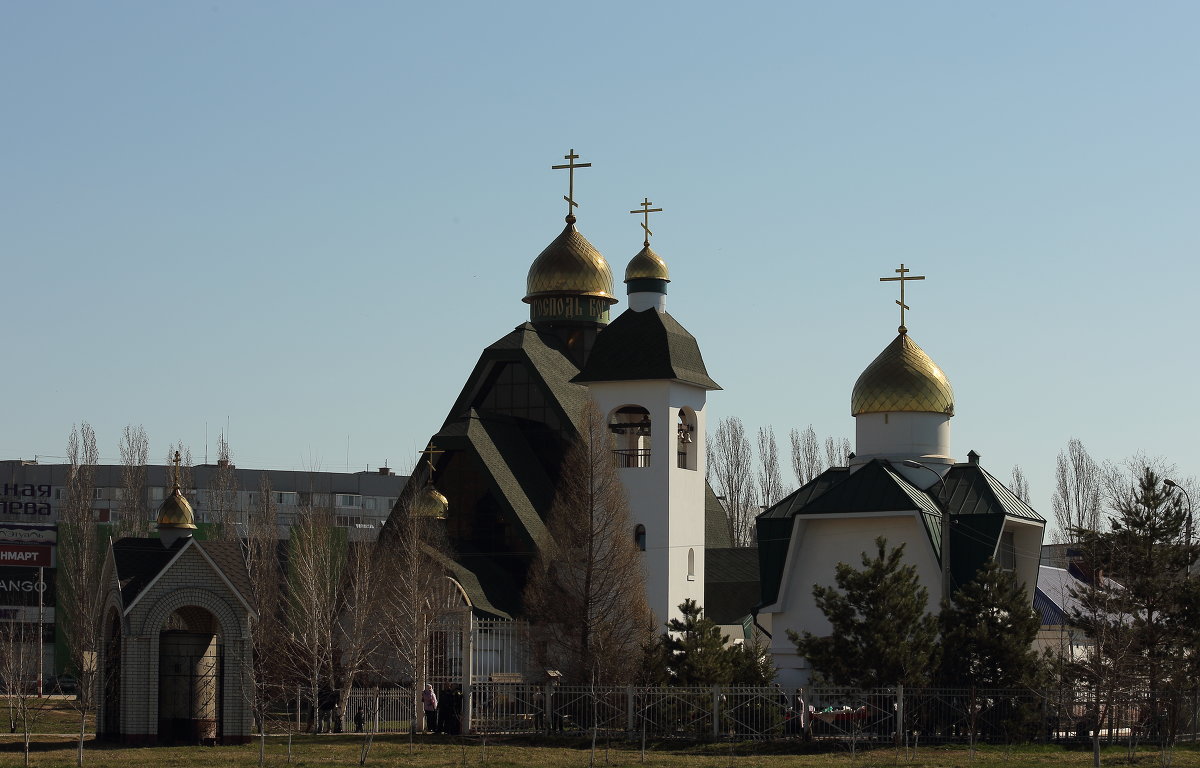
902,379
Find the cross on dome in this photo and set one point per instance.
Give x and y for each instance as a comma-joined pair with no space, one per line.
429,453
902,280
646,211
571,165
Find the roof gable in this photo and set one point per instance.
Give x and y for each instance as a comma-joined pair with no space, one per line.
972,490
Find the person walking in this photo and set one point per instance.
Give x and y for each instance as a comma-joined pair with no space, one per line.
429,703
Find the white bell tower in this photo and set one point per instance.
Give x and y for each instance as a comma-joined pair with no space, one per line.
648,379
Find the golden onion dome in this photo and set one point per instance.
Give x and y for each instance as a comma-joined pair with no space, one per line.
570,265
902,379
176,512
647,265
430,503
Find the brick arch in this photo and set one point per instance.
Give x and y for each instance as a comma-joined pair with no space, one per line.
233,637
158,613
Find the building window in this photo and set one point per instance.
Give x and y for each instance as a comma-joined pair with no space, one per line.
631,430
691,565
348,521
349,500
639,537
156,493
369,504
286,497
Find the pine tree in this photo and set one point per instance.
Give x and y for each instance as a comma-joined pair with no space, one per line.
696,653
988,629
881,634
1151,612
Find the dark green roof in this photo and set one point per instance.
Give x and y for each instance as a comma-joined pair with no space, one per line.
977,502
716,520
544,354
731,588
646,345
972,490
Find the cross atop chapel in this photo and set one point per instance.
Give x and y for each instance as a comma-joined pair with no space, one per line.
902,280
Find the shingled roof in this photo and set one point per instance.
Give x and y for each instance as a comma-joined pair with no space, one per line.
977,503
646,345
731,587
139,561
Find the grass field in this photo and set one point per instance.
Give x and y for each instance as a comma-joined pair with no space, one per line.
428,751
439,751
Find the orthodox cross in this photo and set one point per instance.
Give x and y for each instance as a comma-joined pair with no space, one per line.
902,279
429,453
177,460
646,211
571,165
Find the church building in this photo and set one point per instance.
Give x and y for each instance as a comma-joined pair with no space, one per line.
497,458
903,483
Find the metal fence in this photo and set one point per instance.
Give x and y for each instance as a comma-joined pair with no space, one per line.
851,717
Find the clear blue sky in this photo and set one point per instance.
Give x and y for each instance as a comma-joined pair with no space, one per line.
306,219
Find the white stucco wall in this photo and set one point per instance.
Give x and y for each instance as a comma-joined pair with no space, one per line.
818,544
923,437
668,500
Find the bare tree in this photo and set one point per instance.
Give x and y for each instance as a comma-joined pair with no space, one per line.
770,485
413,554
1020,484
732,464
586,594
806,454
360,633
80,559
135,453
223,496
316,560
18,667
1078,480
837,452
266,633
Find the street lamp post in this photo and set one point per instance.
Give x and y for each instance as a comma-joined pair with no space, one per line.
945,510
1186,495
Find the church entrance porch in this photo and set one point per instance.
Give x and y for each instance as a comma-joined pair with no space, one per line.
189,683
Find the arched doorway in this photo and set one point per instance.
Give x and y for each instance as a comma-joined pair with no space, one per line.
189,678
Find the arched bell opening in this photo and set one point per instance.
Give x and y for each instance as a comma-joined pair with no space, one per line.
631,429
639,537
686,439
189,678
